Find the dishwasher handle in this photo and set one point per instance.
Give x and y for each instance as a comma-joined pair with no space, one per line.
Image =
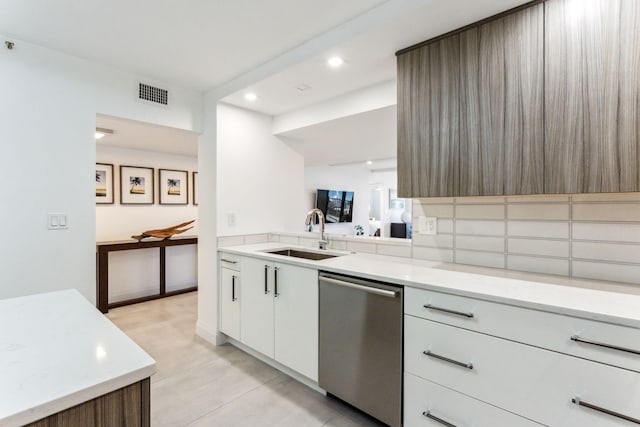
371,290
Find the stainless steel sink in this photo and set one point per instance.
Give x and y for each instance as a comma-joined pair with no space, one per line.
297,253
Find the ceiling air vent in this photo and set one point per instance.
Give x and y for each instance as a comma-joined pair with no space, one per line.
153,94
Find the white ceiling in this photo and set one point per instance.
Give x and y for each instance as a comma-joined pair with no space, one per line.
351,139
370,56
136,135
194,43
210,44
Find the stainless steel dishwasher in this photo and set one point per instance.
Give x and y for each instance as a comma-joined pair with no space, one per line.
360,344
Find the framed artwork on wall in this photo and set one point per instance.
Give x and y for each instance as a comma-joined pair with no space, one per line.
104,184
174,187
194,179
136,185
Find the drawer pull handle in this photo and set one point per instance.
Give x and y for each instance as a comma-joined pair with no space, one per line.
579,402
233,288
446,310
429,415
577,338
228,260
446,359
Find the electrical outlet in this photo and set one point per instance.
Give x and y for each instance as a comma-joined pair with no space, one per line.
428,225
231,218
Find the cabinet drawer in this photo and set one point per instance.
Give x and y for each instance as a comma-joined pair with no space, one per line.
422,397
230,261
535,383
539,328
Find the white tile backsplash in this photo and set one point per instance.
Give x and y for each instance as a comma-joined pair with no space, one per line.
369,248
252,239
480,243
554,248
616,252
440,211
480,228
606,212
594,236
480,211
606,271
395,250
437,241
589,236
483,259
538,265
606,197
612,232
433,254
225,241
552,230
538,211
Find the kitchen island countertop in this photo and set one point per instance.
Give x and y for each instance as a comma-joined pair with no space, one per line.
57,351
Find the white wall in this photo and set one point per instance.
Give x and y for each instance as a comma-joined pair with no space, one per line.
260,176
346,178
48,107
117,221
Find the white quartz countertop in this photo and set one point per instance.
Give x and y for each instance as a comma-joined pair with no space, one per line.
56,351
604,301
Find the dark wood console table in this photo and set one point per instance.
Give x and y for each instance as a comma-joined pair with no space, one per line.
102,260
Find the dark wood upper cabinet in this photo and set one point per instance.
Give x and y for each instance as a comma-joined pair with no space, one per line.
470,111
428,120
592,96
541,99
501,126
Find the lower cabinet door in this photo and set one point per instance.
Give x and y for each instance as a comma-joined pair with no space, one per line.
296,318
230,302
544,386
256,316
428,404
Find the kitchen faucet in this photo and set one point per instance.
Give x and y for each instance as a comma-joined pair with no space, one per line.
322,244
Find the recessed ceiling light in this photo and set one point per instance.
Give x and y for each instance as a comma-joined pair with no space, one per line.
250,96
369,162
335,61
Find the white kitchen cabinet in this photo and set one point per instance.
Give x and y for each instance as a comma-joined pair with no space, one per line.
428,404
279,314
532,382
230,302
531,363
257,305
296,319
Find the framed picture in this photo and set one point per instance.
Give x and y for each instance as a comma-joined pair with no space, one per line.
104,184
136,185
194,178
174,187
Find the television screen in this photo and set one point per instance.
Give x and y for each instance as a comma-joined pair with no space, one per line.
337,206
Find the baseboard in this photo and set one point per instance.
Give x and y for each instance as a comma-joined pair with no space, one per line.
269,361
214,337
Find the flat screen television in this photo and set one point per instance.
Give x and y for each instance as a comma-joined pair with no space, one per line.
337,206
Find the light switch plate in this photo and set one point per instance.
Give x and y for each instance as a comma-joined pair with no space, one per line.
428,225
57,221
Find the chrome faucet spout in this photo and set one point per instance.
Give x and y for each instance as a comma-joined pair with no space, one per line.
309,222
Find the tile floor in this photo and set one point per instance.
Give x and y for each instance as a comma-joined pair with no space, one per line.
198,384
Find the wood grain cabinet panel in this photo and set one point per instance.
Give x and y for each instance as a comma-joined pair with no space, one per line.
428,120
501,132
125,407
592,96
